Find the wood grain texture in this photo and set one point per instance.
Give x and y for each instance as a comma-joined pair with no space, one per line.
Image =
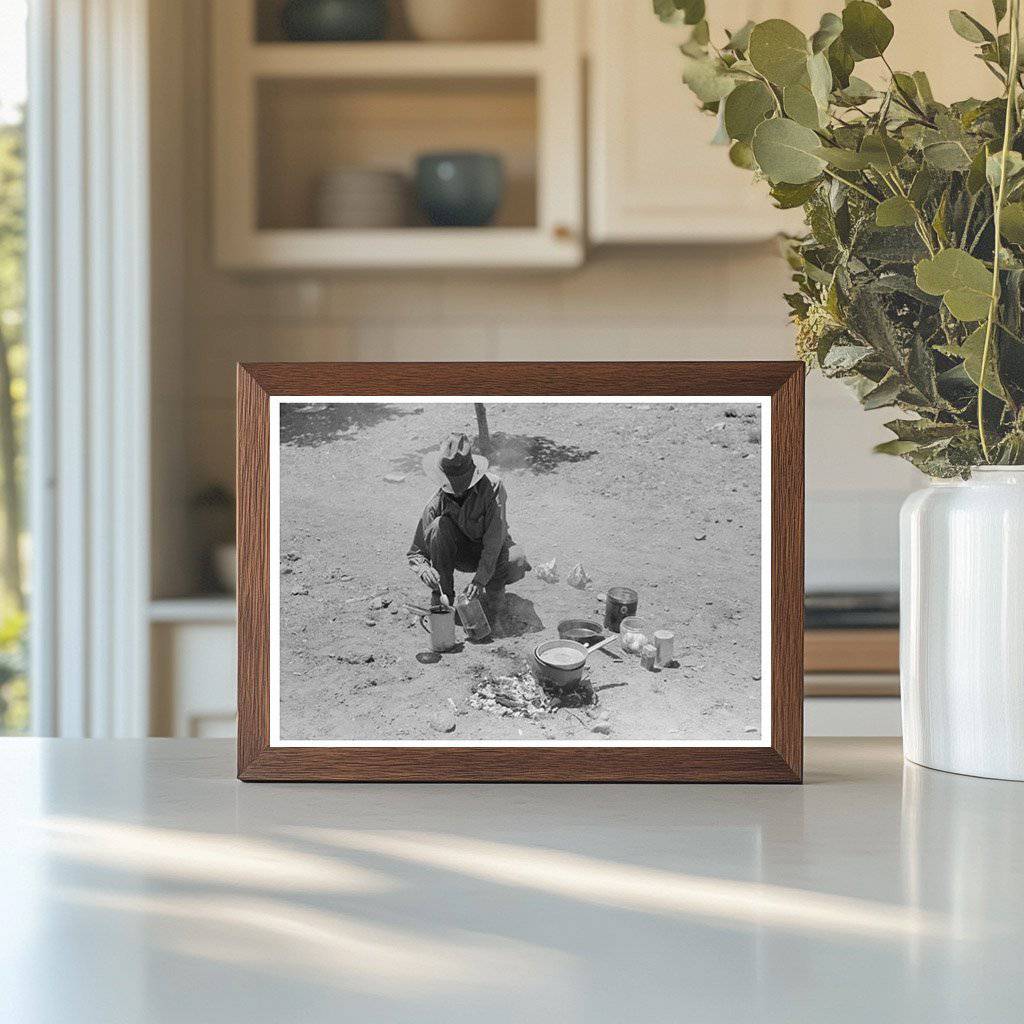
780,762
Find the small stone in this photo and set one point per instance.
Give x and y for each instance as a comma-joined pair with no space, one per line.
602,728
380,602
346,578
300,592
757,675
751,728
601,598
443,721
369,622
394,478
700,536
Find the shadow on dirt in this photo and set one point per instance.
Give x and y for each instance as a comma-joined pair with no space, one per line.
311,424
517,617
538,454
508,451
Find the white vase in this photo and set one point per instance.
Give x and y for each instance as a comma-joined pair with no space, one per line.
962,624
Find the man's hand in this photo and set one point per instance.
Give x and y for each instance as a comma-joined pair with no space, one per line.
472,590
430,577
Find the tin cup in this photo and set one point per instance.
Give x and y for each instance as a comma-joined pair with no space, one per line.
620,603
664,641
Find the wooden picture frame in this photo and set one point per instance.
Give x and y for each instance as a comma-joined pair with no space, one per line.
778,759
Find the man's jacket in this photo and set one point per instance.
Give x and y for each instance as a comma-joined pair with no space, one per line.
480,517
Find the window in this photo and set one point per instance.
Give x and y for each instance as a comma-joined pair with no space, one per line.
14,694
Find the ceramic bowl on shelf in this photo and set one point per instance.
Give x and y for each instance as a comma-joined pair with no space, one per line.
334,21
362,197
470,20
460,189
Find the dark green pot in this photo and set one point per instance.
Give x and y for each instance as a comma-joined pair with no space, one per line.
334,21
460,189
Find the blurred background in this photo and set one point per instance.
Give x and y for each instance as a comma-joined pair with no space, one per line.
204,183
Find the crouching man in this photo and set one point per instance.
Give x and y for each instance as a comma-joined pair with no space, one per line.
464,527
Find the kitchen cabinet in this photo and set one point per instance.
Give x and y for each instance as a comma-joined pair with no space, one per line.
288,114
654,177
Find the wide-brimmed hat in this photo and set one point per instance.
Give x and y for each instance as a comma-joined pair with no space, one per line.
454,463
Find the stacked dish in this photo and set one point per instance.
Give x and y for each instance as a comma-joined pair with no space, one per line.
470,20
362,197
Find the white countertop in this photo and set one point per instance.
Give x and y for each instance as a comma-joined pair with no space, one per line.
140,882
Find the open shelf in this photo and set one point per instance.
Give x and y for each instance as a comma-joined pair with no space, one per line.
309,127
519,24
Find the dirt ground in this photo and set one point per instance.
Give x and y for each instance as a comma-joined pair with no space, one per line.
662,498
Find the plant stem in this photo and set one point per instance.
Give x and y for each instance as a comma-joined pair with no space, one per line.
1011,108
853,185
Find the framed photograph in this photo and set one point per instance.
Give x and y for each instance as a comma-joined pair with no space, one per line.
520,571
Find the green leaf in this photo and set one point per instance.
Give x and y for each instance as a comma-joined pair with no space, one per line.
858,91
947,156
993,167
741,155
971,352
707,78
939,220
844,159
1012,224
923,431
924,88
963,281
841,63
689,12
885,394
895,212
866,29
829,30
745,108
788,197
999,9
895,447
739,41
976,173
883,152
922,185
969,28
801,106
787,152
701,34
819,74
779,51
665,10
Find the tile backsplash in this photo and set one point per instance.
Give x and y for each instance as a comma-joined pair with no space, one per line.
708,303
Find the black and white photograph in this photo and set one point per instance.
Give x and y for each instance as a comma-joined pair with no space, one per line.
519,571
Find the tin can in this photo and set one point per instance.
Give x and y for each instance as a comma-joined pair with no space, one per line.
648,656
664,640
620,603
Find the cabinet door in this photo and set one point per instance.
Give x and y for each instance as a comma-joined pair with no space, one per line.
654,176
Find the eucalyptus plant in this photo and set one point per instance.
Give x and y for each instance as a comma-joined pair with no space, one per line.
910,277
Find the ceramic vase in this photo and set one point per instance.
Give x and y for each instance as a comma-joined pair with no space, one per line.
962,624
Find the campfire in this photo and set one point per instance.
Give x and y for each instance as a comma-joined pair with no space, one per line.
519,695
